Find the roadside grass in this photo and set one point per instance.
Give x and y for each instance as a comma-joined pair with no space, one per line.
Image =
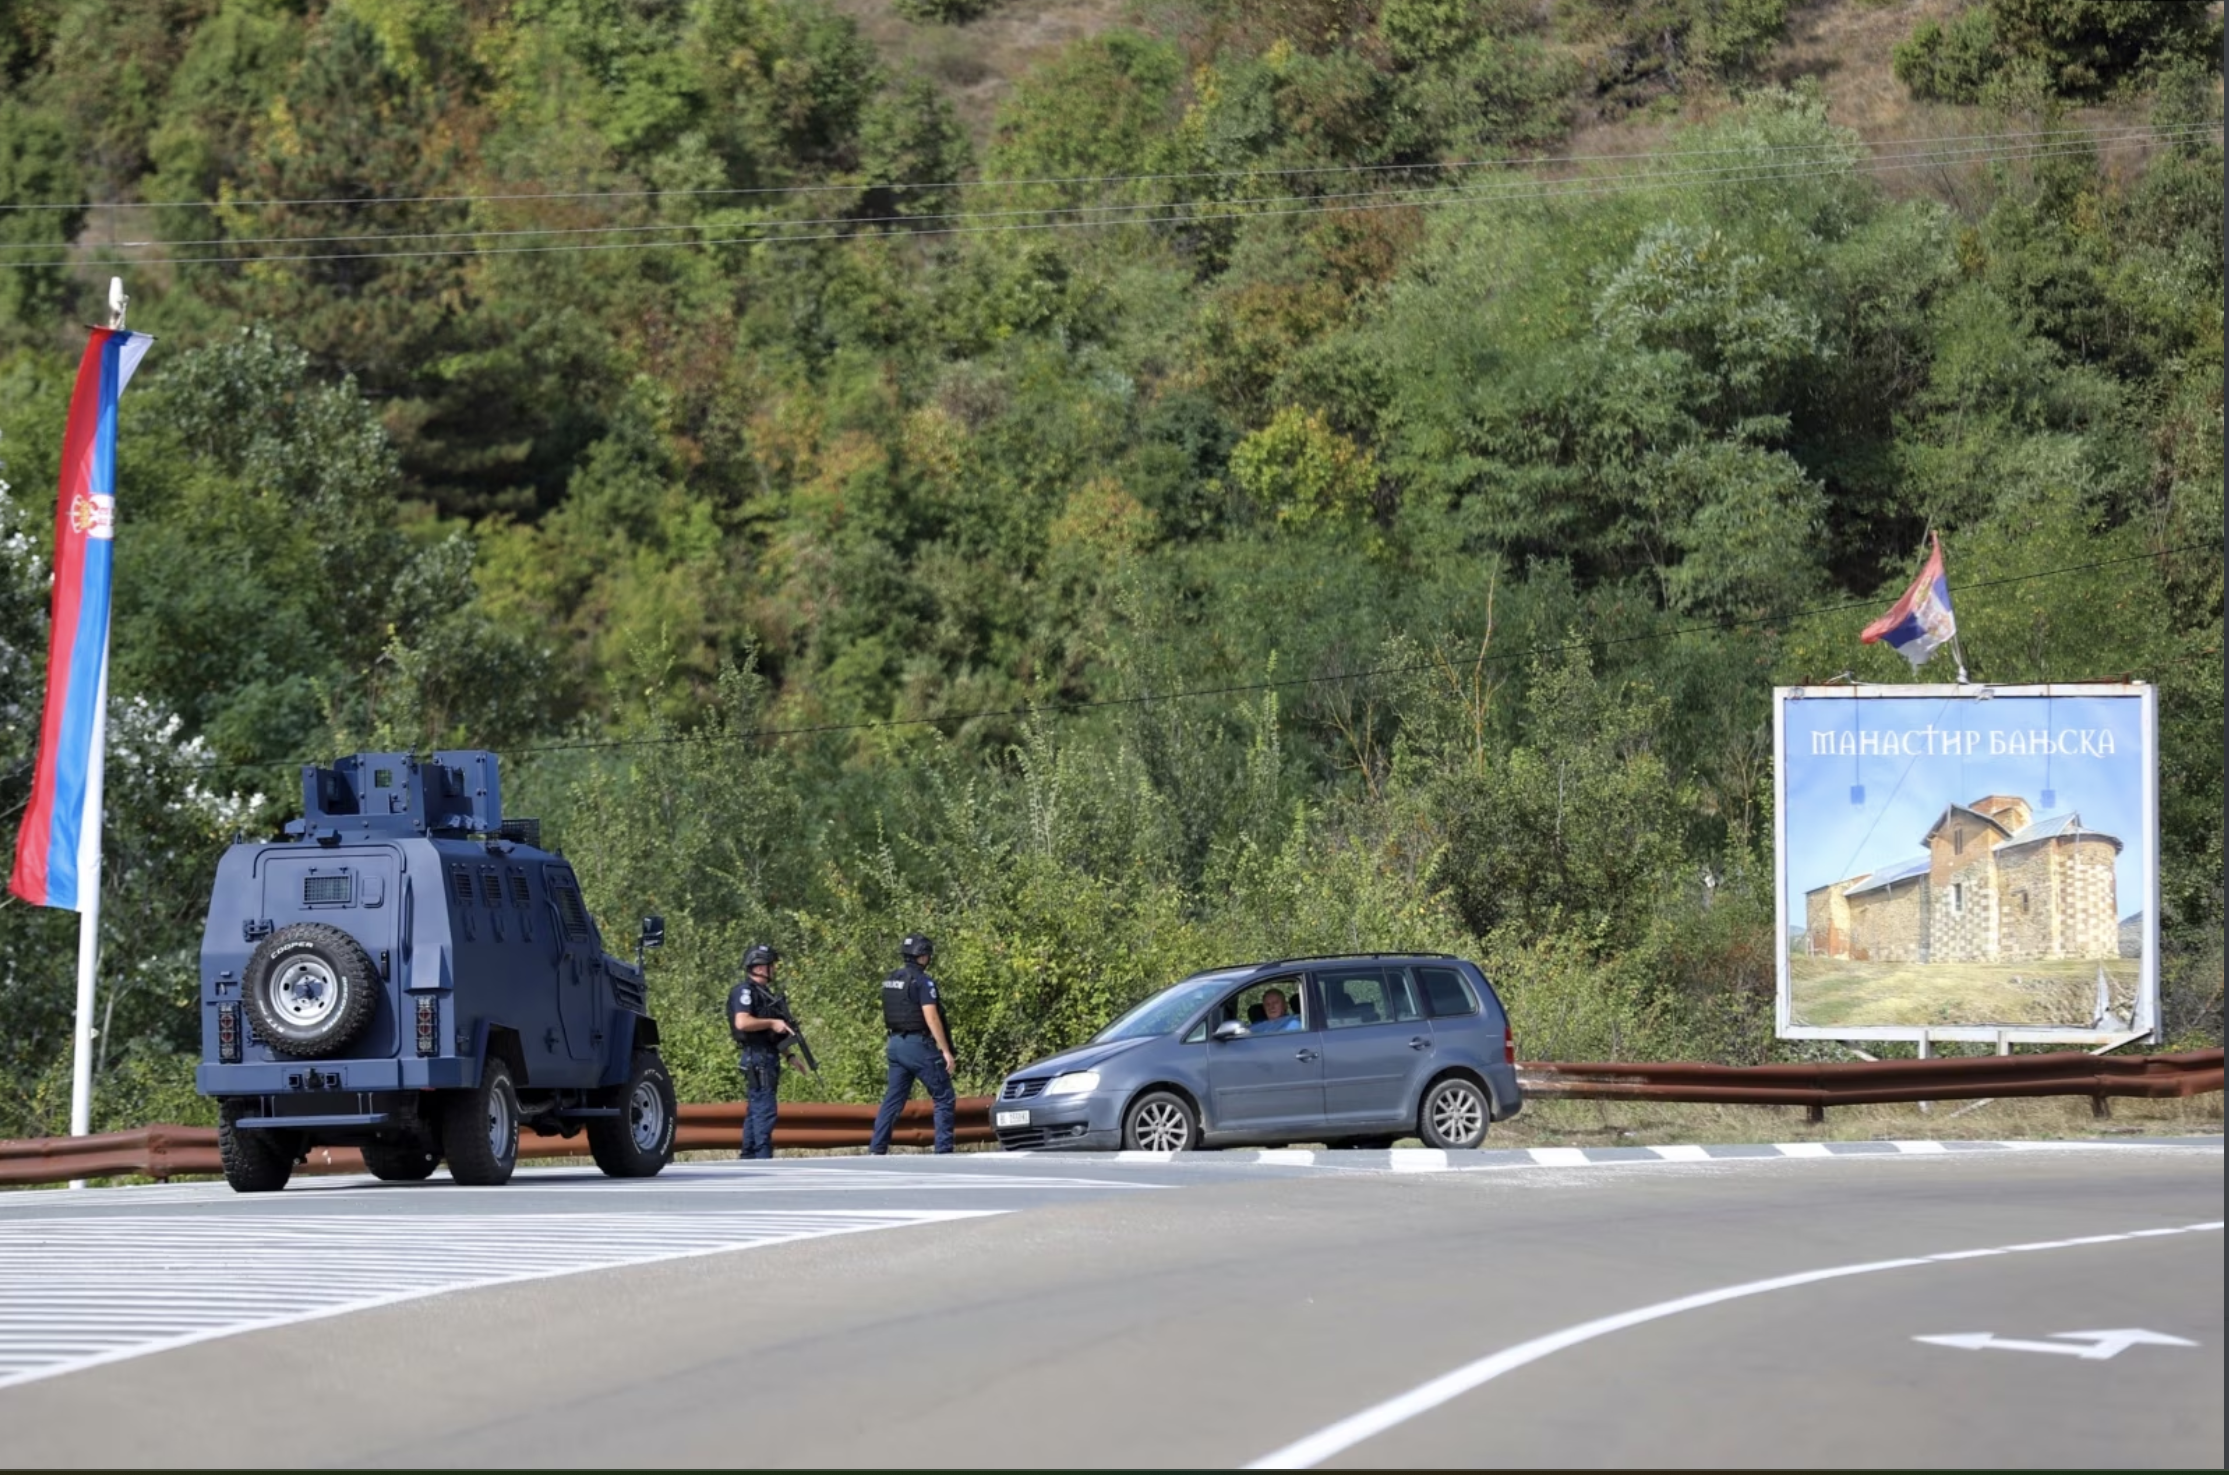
2059,991
2033,1118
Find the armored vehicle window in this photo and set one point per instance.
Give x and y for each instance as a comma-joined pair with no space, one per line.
324,891
519,892
460,885
567,897
491,888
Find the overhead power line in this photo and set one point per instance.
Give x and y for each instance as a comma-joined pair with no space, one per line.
923,186
1415,194
1097,217
1246,688
1074,217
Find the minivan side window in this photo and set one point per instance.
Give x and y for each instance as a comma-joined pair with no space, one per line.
1403,995
1250,1006
1353,997
1446,992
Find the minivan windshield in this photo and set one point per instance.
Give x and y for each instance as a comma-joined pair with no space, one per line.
1169,1008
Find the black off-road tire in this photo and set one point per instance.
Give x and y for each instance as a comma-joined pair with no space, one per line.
254,1161
638,1143
480,1129
1160,1121
310,990
400,1162
1454,1114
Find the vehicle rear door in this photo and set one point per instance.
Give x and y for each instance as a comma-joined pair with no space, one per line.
1264,1082
354,890
1377,1047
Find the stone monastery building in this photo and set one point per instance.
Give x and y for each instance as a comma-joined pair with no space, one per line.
1997,885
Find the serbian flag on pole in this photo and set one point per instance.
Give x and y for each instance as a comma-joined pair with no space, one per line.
1919,622
60,840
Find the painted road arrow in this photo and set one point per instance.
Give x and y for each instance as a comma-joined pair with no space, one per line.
2099,1345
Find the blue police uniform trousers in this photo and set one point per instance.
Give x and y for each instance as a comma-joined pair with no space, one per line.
762,1074
913,1058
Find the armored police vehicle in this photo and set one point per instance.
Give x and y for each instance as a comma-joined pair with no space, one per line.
411,974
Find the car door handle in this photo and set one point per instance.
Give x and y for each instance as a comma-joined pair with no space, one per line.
1304,1055
1420,1043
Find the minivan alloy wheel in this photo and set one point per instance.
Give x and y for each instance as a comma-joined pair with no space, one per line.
1161,1122
1454,1115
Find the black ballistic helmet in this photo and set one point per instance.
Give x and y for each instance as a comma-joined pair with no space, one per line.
916,945
761,953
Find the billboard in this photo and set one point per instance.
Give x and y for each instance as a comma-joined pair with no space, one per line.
1967,862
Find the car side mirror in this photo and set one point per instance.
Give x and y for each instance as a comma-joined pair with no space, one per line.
653,933
1229,1029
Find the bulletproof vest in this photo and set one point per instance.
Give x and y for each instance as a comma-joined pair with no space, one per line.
753,1039
900,1014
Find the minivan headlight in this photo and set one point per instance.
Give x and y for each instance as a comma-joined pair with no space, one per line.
1075,1083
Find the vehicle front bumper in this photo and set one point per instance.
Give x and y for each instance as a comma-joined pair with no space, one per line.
1066,1123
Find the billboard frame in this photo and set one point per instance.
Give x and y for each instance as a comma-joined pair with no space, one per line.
2147,987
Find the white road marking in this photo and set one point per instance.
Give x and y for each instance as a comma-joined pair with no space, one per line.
2090,1346
1324,1444
80,1291
1020,1170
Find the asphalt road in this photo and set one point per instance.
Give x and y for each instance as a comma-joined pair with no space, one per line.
1306,1309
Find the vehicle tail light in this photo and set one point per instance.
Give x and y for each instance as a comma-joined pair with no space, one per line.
1509,1044
429,1016
228,1033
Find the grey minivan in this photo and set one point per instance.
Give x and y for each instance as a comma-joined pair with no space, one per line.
1356,1051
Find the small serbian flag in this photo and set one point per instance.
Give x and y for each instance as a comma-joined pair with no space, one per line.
61,831
1919,622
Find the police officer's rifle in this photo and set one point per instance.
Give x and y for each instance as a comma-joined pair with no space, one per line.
777,1007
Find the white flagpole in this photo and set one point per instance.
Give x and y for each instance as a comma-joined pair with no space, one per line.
89,916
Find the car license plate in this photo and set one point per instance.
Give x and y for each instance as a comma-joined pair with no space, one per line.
1013,1119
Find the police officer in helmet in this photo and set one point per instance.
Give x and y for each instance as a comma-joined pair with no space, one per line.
919,1047
757,1041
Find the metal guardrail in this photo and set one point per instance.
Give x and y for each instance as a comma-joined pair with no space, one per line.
164,1152
1817,1087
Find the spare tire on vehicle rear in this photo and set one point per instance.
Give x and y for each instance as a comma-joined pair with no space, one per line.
310,990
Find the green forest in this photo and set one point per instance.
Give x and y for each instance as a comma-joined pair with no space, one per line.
1277,476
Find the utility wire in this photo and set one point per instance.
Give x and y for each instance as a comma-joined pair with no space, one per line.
1241,688
1536,161
1514,188
779,233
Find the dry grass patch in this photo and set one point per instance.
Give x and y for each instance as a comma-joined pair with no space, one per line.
2057,992
977,63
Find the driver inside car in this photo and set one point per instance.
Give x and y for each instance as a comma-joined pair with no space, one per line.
1276,1015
